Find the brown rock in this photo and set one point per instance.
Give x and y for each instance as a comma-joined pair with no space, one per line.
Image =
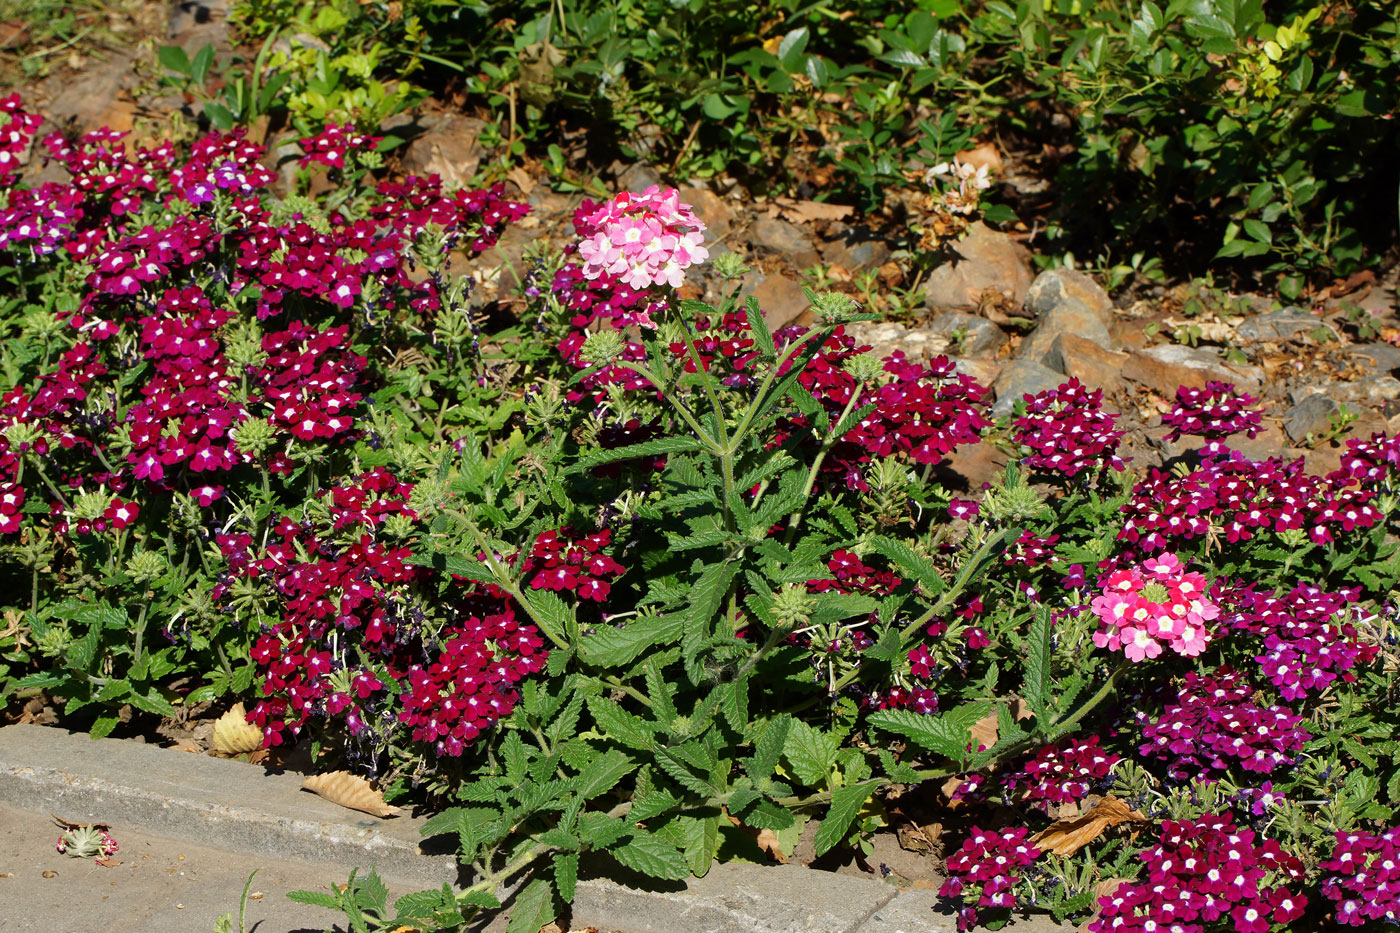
448,147
1164,368
985,260
1056,287
788,241
779,298
712,211
1019,379
984,154
1091,364
1072,317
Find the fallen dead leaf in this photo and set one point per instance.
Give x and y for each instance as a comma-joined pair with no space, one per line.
1104,888
50,874
767,840
350,791
234,734
522,180
805,211
1066,837
66,824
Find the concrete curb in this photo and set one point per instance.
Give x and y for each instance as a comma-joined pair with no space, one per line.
225,804
241,808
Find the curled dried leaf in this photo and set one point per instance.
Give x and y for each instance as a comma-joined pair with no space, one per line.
350,791
234,734
1066,837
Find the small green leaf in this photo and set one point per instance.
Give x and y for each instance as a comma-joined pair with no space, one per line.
566,875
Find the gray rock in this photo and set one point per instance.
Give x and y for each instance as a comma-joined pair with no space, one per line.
1070,316
1372,389
1313,415
979,336
854,252
983,260
637,177
1056,288
1019,378
1282,324
779,238
1383,357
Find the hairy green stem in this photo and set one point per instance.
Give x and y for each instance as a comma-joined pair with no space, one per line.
827,443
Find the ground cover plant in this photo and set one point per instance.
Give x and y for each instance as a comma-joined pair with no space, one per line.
1195,131
621,581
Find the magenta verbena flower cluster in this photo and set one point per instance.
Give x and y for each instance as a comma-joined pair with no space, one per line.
1066,431
985,871
1214,412
1215,724
1240,497
338,582
1363,877
1154,606
1309,635
1063,773
1201,871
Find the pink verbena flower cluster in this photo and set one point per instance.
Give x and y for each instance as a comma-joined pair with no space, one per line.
562,560
1063,773
1364,877
1214,412
1155,605
1242,497
643,239
330,146
1309,637
1215,723
1066,431
984,872
1202,871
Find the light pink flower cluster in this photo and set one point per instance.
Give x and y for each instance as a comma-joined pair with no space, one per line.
1154,605
643,239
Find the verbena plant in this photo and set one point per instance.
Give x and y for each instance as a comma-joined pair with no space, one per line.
631,578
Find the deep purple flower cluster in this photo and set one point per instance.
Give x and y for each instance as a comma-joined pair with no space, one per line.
1309,640
1364,877
1063,773
985,870
1201,871
1215,412
1067,431
1372,461
1215,723
1243,496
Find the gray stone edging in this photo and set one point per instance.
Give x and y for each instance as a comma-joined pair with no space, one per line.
242,808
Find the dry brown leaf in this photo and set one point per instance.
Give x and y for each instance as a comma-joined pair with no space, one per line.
768,841
522,180
984,732
351,791
1104,888
805,211
234,734
1066,837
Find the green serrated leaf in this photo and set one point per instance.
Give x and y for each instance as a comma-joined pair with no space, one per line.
652,856
948,734
566,875
533,907
846,803
811,752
